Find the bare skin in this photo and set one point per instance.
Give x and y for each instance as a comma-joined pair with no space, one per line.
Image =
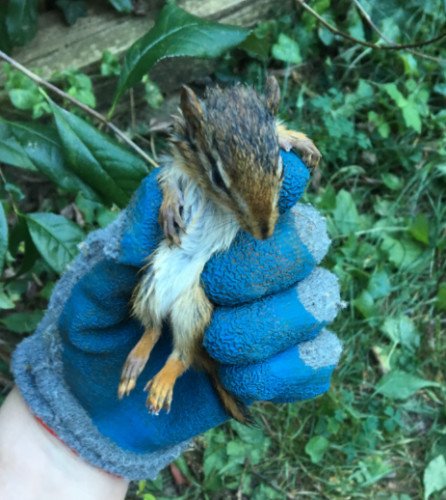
35,465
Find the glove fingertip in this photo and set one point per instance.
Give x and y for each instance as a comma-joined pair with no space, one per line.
296,176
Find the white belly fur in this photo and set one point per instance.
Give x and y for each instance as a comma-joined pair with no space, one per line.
210,228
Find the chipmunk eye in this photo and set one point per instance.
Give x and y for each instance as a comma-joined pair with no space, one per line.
217,179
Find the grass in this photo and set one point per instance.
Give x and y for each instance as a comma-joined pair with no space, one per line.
379,119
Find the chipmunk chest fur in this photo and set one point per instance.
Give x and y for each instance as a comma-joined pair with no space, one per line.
210,228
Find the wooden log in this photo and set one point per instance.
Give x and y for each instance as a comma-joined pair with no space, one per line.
58,46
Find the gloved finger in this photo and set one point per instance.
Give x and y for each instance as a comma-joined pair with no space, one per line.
139,227
139,222
256,331
295,179
250,268
95,317
301,372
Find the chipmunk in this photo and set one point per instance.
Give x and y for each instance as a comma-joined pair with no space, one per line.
224,174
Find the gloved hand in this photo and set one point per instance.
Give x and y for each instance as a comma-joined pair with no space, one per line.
267,331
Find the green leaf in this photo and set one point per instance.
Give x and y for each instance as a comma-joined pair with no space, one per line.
365,304
434,478
392,181
3,238
401,385
441,297
287,50
176,33
105,166
440,88
24,98
345,215
402,330
402,252
37,147
22,322
419,228
395,94
5,301
316,448
110,65
256,45
124,6
72,9
250,435
379,285
21,21
55,237
412,116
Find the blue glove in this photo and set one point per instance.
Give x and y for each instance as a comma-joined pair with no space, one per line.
267,331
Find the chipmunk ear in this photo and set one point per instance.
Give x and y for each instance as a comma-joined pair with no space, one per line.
272,95
192,108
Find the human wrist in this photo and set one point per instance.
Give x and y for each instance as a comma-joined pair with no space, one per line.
52,470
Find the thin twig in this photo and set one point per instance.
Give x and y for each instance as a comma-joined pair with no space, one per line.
39,81
369,20
361,42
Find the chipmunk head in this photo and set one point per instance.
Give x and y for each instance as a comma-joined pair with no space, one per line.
228,143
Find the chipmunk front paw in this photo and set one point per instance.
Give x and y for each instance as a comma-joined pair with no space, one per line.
170,218
290,139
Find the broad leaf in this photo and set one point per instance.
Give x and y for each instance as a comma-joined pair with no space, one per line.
55,237
412,116
345,214
434,478
21,21
3,238
365,304
402,330
287,50
396,95
24,98
37,147
419,228
402,252
316,448
72,9
108,168
401,385
379,285
5,301
124,6
176,33
22,322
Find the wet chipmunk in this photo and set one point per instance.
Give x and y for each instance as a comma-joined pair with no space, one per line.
224,174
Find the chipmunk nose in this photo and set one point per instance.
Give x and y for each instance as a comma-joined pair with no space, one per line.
265,230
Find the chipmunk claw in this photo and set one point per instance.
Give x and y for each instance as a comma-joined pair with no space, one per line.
131,370
160,395
290,139
170,219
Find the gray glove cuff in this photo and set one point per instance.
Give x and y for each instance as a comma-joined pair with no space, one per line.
38,373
